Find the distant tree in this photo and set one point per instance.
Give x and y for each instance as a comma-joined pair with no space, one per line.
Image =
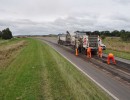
97,32
115,33
0,34
105,33
6,34
125,36
122,32
102,32
103,37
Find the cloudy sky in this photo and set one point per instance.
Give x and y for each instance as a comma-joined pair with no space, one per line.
26,17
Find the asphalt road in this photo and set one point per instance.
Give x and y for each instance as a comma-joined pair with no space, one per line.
113,87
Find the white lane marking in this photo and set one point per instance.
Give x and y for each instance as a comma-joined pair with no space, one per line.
86,74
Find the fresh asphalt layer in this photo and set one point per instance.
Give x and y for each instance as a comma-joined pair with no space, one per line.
113,87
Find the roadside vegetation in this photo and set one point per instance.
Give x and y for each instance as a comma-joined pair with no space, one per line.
6,34
40,73
8,50
117,42
118,47
7,42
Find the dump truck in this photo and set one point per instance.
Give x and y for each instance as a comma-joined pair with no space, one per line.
81,40
84,39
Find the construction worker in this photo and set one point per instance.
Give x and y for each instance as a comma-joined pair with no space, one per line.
110,57
89,52
76,52
100,51
77,46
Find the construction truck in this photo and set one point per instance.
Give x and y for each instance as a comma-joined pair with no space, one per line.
81,40
84,39
70,38
67,39
62,39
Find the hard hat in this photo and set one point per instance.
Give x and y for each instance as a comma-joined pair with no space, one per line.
110,55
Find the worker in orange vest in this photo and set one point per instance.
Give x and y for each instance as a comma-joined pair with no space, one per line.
76,52
110,57
89,52
100,51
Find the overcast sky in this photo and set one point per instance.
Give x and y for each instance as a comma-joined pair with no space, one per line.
26,17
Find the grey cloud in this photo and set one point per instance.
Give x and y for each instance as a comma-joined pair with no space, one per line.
55,16
60,25
121,18
123,1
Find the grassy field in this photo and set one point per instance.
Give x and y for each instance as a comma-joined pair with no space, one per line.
7,42
40,73
118,47
9,50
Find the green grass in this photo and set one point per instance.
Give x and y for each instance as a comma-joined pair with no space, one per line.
40,73
124,55
8,42
118,47
3,41
9,50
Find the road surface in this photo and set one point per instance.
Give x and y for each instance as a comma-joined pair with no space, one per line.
113,87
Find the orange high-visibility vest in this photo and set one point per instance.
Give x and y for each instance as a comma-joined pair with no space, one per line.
89,49
110,57
100,48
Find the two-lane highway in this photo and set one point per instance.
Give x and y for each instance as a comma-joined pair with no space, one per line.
107,83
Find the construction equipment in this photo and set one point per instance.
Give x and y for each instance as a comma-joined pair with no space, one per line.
81,40
87,39
62,39
67,39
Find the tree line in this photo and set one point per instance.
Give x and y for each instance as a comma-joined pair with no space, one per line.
6,34
124,35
